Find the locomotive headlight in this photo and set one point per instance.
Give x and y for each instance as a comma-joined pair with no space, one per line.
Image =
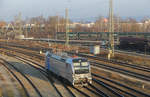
90,81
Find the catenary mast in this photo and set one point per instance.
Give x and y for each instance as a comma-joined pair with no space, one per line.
111,31
67,28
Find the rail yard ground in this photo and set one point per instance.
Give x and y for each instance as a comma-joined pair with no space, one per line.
110,79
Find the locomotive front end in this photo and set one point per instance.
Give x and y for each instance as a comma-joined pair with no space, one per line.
82,72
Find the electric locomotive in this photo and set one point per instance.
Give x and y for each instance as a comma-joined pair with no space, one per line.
72,68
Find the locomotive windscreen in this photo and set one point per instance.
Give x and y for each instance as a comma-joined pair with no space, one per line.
81,66
80,62
84,64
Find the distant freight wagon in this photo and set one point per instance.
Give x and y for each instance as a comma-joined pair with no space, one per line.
134,43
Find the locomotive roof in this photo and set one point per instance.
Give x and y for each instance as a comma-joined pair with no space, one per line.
65,57
77,59
62,55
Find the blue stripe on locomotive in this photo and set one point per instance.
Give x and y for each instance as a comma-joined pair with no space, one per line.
47,61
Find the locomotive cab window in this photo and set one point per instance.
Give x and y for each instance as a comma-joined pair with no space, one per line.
85,64
80,62
76,64
81,66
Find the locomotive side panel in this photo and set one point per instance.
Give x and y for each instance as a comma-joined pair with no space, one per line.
62,69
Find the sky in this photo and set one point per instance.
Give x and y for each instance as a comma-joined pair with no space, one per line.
78,9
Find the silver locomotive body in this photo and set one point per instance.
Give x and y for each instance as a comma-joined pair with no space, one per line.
75,69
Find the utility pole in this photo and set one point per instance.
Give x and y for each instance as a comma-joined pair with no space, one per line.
111,31
18,25
57,27
19,22
118,20
26,29
67,28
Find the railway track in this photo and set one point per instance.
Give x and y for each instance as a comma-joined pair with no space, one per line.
42,69
102,93
17,78
122,71
124,91
138,75
69,90
119,84
134,66
113,88
98,93
107,87
28,79
142,68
